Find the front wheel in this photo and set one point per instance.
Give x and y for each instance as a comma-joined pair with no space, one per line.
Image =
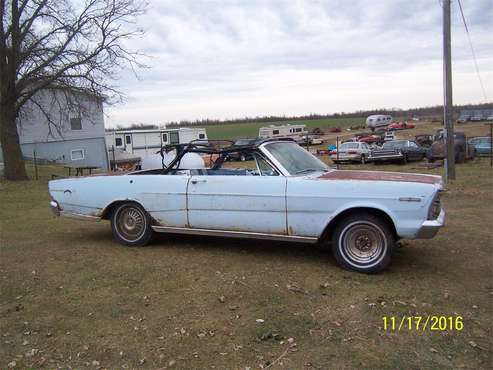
363,242
131,224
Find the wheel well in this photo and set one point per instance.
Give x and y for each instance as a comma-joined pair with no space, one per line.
108,211
327,233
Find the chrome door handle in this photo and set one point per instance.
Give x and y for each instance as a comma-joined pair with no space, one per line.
194,181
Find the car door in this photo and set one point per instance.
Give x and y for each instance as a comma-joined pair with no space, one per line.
163,196
237,203
414,151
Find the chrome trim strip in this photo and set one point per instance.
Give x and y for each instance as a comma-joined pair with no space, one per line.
79,216
233,234
409,199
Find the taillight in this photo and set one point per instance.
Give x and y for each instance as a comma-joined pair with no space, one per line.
352,152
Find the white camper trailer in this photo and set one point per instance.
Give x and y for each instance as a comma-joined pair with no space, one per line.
147,142
378,120
293,131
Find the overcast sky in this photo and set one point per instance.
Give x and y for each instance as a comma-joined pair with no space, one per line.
235,58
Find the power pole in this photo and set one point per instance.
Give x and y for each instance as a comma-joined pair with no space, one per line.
447,95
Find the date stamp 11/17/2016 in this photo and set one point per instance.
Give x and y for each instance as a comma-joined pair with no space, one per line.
422,323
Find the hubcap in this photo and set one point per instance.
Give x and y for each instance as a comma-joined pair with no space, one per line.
131,223
363,243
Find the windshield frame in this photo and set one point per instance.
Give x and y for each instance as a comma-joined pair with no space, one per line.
265,150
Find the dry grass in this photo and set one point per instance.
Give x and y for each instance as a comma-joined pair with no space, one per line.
72,297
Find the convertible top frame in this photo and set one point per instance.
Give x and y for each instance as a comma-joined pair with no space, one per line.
208,147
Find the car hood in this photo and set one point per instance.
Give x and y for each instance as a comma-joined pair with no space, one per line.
382,176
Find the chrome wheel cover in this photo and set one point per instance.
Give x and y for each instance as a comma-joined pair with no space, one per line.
362,244
130,223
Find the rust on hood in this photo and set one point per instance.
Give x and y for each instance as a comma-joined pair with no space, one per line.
380,176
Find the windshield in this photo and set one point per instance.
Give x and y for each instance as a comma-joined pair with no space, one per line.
394,144
294,158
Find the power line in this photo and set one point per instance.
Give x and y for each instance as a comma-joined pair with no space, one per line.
473,52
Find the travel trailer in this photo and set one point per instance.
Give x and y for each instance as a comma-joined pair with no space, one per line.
293,131
378,120
147,142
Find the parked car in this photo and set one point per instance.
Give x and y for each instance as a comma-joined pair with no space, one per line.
463,151
369,139
398,150
463,119
489,118
352,152
476,118
424,140
401,126
482,145
289,195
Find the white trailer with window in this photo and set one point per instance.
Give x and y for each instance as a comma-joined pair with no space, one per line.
378,120
148,142
293,131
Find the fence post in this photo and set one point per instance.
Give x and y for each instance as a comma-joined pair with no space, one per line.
337,153
113,166
35,165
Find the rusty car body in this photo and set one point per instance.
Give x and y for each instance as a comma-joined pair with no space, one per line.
463,150
287,194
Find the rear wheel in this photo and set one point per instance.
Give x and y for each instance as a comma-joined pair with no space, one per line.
131,224
363,242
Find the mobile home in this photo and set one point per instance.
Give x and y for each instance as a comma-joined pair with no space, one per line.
148,142
293,131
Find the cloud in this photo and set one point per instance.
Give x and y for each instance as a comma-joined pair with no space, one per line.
222,59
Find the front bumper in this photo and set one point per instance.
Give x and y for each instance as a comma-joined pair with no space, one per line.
430,228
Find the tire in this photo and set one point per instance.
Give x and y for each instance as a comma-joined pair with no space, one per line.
242,158
359,235
131,225
405,159
363,159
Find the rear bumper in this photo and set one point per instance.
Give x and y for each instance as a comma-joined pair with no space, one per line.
392,157
346,157
54,208
430,228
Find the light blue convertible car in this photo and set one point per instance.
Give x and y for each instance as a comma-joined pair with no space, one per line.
285,193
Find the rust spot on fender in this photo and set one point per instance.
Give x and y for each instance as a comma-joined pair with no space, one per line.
380,176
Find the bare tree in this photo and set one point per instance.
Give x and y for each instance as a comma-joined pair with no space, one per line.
67,45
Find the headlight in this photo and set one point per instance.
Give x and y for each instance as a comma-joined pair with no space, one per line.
435,208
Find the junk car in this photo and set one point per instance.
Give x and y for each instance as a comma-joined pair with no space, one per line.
284,194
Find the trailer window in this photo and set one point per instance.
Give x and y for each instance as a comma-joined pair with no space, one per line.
75,123
201,136
77,154
275,132
165,138
118,142
128,139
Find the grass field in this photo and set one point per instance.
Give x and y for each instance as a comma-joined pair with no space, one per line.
71,297
250,130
